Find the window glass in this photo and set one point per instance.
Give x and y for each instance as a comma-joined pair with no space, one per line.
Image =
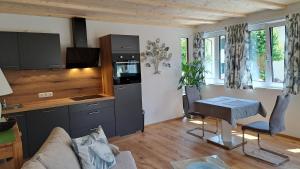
277,47
209,57
184,50
222,57
258,55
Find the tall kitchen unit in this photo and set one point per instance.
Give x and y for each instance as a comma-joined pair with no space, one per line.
121,76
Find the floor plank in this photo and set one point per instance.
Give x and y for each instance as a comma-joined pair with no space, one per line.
168,141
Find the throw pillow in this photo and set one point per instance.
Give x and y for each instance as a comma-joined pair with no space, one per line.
93,151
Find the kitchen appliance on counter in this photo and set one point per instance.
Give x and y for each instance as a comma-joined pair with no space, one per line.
126,69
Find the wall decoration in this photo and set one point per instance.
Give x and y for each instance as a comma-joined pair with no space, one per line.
155,54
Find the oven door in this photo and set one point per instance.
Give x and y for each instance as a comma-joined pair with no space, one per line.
126,72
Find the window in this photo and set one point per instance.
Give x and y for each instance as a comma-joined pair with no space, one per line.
258,55
266,52
222,57
277,52
184,50
209,57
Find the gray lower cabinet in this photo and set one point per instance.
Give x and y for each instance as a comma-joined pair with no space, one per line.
84,118
128,108
41,122
22,124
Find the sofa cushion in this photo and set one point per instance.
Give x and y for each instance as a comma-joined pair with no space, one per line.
58,156
33,164
125,161
94,151
57,152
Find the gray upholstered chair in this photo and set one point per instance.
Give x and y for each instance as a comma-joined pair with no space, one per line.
192,95
274,126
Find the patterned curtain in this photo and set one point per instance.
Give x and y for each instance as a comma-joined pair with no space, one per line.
292,57
199,46
237,71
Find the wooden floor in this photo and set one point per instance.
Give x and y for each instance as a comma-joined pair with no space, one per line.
165,142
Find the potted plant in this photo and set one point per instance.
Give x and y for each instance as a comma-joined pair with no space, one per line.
192,75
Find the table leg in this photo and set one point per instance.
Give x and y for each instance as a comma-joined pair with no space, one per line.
226,139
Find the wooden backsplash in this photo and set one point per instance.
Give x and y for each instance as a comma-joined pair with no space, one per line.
26,84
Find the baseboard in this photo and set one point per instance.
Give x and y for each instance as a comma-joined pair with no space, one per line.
173,119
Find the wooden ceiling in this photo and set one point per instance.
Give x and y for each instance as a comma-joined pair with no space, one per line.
177,13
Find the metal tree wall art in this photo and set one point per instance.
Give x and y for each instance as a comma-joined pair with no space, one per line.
155,54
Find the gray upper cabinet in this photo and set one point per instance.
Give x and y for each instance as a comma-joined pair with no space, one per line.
125,44
39,51
9,50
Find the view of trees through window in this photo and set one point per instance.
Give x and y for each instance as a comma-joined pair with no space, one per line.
222,57
277,47
209,56
258,54
184,50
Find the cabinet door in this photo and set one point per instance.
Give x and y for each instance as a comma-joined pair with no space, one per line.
9,52
39,51
41,122
128,108
125,44
21,120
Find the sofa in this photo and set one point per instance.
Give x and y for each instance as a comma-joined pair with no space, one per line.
57,153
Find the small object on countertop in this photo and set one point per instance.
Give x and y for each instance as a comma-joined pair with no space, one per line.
7,124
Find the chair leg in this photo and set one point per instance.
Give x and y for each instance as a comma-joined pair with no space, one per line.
286,158
203,129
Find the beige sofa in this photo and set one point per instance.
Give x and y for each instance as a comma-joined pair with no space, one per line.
57,153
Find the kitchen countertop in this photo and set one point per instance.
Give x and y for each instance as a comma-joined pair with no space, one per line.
52,103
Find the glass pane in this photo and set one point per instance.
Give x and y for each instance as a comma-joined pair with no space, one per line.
222,57
278,41
258,55
184,49
209,56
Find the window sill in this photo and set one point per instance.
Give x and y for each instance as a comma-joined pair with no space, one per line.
256,85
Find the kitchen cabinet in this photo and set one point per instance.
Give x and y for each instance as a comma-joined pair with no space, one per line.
39,51
22,124
128,108
41,122
84,118
9,55
125,44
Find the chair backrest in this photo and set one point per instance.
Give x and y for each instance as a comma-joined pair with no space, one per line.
277,120
192,94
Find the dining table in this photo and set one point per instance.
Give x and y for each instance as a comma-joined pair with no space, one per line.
228,110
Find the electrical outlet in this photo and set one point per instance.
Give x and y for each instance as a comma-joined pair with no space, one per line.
45,94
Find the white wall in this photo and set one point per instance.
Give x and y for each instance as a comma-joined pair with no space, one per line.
266,96
161,100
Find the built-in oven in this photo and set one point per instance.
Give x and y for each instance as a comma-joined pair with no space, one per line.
126,69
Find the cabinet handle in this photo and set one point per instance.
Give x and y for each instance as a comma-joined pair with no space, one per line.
93,104
94,112
47,111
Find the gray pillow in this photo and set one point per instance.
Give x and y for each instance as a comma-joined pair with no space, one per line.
93,151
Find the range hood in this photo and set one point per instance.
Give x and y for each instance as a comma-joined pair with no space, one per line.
81,56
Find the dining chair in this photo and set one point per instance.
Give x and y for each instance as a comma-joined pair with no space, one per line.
192,95
275,125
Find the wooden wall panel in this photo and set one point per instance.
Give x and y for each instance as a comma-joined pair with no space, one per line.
26,84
